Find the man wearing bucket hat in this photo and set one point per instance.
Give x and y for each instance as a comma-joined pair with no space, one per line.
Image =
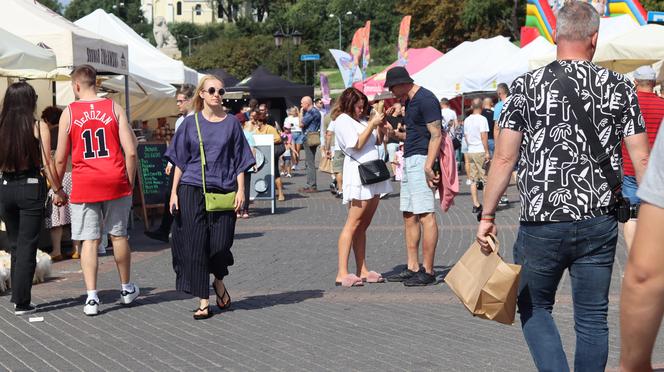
652,109
423,136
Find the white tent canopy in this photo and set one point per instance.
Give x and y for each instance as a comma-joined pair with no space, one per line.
141,52
517,64
150,97
19,58
641,46
71,44
609,29
472,66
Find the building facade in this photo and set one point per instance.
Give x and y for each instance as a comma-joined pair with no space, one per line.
194,11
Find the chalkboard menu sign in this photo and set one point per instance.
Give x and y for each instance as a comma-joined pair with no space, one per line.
153,180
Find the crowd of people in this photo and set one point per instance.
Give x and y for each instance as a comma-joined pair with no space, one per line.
565,157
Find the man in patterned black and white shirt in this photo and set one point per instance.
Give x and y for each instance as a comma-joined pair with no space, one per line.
567,219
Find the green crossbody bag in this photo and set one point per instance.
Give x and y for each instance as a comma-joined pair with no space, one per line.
214,202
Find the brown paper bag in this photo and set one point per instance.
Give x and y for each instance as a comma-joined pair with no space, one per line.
325,164
486,285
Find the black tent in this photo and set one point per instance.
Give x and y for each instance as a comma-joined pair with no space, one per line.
263,85
223,75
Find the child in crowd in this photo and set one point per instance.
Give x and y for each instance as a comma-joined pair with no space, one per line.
287,139
398,162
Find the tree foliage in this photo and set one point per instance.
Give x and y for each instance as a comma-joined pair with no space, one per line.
54,5
445,24
130,12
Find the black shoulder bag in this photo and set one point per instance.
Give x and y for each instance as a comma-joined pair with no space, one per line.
372,171
622,207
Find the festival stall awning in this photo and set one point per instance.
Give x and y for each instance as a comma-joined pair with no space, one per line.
471,66
19,58
642,46
150,96
263,84
228,79
142,52
418,58
71,44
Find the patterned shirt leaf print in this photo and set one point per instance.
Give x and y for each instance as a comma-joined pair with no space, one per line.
558,177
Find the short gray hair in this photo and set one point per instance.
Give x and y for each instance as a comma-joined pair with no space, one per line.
577,20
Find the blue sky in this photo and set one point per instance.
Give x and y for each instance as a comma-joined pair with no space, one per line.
64,2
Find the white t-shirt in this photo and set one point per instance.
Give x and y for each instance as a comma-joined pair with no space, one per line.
330,128
448,115
294,122
473,127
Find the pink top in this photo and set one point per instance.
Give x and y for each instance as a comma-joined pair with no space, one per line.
449,180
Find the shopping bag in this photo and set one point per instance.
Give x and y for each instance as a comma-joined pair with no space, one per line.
325,164
486,284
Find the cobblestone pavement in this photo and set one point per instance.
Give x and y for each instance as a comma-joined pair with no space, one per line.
287,314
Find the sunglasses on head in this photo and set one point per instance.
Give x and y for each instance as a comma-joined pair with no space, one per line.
212,90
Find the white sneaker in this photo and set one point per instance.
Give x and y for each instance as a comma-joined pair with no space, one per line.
127,297
91,307
469,182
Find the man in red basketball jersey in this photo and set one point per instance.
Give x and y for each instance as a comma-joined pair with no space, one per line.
96,132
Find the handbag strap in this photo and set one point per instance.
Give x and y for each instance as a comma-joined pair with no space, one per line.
596,148
200,146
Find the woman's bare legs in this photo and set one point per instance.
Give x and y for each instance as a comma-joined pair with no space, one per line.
360,239
56,241
353,222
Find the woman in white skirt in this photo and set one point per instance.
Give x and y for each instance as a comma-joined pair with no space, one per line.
358,138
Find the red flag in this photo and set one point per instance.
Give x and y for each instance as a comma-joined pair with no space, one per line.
402,42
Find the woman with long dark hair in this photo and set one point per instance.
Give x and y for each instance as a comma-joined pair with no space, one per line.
25,145
358,139
202,240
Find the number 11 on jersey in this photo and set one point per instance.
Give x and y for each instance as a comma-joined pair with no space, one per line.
102,151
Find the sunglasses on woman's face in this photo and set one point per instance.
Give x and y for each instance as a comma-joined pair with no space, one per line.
212,90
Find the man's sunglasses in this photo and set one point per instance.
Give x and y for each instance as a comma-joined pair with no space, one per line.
212,90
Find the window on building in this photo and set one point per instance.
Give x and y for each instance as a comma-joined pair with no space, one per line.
178,8
199,9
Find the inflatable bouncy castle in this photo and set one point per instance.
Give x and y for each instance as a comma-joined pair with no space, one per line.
541,15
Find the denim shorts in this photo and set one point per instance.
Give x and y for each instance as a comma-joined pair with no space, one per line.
298,138
629,188
416,195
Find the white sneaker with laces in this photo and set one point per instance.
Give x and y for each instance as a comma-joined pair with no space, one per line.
91,307
127,297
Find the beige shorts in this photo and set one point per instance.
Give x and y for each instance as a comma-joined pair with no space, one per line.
475,166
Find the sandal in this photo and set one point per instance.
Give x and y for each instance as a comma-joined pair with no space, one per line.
207,315
373,277
350,280
222,305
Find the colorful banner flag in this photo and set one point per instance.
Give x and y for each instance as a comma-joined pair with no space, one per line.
349,71
325,91
366,54
402,42
356,47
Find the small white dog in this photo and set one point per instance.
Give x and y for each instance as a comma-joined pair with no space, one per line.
42,270
5,263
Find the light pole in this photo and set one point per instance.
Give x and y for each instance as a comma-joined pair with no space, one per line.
279,41
339,19
189,39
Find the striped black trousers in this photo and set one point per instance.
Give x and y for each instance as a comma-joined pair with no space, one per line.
202,243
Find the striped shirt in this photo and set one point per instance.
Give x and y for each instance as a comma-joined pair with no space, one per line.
652,109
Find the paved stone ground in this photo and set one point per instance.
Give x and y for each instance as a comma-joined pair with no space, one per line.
287,313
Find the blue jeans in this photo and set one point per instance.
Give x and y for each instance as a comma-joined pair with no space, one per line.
587,249
492,146
629,189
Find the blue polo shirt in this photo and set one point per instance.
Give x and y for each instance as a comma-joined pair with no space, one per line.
423,108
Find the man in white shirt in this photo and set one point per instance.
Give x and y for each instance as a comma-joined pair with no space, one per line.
449,115
476,135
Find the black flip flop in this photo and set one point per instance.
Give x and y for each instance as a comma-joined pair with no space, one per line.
221,305
201,316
